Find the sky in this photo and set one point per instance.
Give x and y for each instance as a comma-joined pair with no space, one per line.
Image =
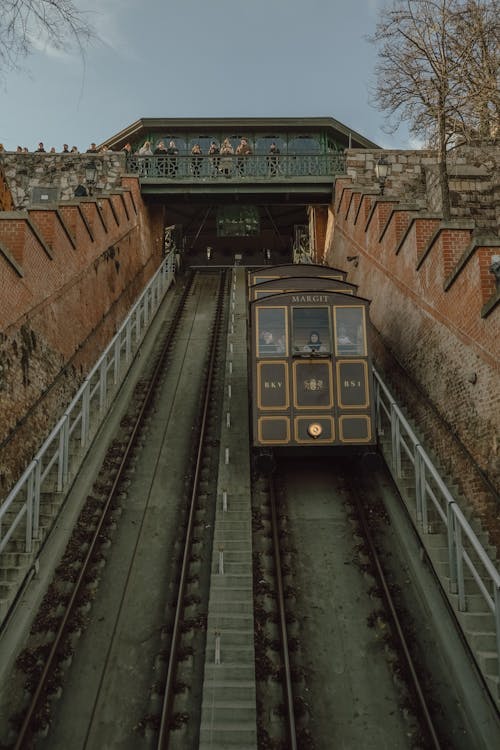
194,58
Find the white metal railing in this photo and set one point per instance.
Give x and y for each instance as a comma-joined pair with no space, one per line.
50,470
434,505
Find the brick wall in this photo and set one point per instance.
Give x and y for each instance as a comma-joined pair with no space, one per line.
68,275
436,318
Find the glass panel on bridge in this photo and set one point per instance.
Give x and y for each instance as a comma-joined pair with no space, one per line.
305,144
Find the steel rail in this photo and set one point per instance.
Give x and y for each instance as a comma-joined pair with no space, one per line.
168,697
389,602
292,733
50,664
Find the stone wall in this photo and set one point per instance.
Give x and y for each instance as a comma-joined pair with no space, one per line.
473,179
64,172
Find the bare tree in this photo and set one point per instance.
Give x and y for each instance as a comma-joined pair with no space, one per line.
429,64
57,22
479,22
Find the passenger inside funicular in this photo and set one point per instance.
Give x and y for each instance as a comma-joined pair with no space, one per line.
271,327
350,336
311,330
314,344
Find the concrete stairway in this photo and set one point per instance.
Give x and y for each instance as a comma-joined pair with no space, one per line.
477,623
228,720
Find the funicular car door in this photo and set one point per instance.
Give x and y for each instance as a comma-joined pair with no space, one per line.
271,381
354,397
311,371
330,376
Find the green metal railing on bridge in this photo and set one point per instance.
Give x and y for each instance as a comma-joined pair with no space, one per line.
249,167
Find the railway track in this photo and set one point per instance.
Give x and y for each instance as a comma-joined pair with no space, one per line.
210,611
319,582
126,536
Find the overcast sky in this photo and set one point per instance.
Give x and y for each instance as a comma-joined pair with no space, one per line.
195,58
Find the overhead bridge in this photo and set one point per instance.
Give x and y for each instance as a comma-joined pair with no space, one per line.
239,185
308,177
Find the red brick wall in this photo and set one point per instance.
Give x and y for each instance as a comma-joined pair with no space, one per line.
63,293
433,338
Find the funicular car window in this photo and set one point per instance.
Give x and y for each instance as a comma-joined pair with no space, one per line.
261,279
271,332
311,330
350,331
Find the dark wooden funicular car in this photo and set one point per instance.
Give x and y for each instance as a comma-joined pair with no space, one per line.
310,362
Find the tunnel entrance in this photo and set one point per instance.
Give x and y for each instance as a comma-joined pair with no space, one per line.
217,231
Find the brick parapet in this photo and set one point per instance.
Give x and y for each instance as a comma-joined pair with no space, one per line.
449,242
63,293
397,223
434,304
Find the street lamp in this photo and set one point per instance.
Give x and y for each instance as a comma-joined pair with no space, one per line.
382,168
90,175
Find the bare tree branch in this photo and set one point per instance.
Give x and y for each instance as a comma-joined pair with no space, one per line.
57,22
438,70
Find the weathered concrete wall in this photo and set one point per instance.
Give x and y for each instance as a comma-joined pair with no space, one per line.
436,317
68,275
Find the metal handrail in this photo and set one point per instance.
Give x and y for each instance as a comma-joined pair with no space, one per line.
437,496
237,167
80,420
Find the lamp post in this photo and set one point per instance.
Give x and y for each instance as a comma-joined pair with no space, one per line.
90,176
382,168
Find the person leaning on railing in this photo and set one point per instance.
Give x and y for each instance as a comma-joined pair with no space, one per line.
242,151
227,153
160,164
214,152
160,149
196,159
145,150
272,159
172,152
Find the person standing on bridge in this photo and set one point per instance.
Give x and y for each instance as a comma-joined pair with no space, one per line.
196,159
145,150
272,159
243,150
227,153
172,152
160,149
160,164
214,152
145,164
